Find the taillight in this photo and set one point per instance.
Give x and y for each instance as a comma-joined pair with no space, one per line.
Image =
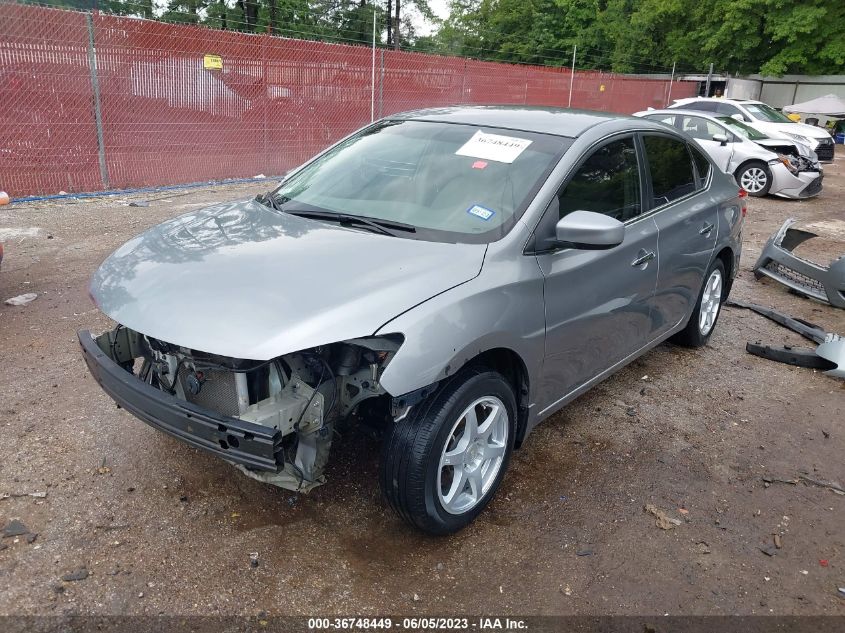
743,201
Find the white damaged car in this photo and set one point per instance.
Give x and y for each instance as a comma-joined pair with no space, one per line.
761,165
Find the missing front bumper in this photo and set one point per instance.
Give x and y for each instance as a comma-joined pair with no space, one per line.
253,446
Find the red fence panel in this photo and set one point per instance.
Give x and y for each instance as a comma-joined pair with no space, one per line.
166,118
406,81
48,136
267,105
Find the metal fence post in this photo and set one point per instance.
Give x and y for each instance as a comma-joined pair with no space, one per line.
671,81
572,75
265,100
381,88
464,83
98,114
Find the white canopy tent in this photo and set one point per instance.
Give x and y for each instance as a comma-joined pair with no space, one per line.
829,105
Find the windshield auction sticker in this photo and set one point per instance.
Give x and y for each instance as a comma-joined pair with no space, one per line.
502,149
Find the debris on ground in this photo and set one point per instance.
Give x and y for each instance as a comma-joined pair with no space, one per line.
15,528
768,550
823,562
664,521
77,574
824,484
584,552
22,300
768,480
778,541
139,203
253,559
842,592
37,495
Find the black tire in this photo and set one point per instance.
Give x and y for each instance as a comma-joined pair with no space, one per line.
412,449
758,166
692,335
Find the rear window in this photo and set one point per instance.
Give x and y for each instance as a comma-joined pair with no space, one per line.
671,169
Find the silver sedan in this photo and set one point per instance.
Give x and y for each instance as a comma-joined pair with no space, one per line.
448,277
761,165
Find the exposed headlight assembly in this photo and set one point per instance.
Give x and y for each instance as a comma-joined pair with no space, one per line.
783,158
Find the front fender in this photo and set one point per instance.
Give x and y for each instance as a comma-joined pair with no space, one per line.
502,308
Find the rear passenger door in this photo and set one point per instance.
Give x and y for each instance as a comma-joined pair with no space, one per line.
703,130
686,214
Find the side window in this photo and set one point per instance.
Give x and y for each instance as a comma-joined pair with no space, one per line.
608,182
700,128
669,162
702,166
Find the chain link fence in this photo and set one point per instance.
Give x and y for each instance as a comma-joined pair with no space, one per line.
92,101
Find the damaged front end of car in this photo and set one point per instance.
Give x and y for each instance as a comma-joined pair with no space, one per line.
803,175
274,420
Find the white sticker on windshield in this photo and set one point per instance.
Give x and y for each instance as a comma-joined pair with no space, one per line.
481,212
502,149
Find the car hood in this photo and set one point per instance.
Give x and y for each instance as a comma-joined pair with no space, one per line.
777,145
244,281
810,131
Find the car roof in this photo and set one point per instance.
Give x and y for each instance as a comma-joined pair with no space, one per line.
673,111
719,99
544,120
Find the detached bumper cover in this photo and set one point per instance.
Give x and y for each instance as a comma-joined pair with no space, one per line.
825,283
251,445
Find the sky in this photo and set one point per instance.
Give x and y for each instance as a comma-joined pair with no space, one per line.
440,8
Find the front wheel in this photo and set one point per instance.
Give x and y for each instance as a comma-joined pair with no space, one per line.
703,319
441,466
755,178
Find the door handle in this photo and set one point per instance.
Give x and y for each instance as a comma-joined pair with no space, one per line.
644,258
706,229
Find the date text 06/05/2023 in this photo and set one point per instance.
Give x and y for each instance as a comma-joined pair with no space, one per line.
418,624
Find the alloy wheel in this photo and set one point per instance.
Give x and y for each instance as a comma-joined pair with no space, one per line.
473,455
754,179
711,301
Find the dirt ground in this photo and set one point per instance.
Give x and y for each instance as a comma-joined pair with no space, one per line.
161,528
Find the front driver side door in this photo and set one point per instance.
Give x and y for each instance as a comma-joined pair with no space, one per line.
597,301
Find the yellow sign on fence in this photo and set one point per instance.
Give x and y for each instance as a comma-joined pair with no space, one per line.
212,62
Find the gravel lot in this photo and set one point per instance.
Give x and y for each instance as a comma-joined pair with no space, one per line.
163,529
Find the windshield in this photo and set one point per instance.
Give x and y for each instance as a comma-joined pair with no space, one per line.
741,128
456,183
763,112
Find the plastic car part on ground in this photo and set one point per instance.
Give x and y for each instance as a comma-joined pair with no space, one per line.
828,357
825,283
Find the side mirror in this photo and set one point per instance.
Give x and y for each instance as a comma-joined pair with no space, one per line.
721,139
589,230
738,117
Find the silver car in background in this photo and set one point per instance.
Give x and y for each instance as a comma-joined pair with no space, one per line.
766,120
449,277
761,165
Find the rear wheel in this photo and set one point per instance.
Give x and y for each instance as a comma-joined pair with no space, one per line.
441,466
755,178
703,318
